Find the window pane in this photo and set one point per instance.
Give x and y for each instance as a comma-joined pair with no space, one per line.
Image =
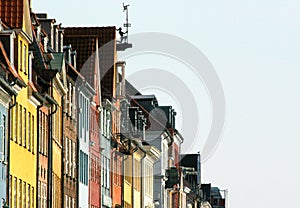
24,194
20,124
24,127
20,193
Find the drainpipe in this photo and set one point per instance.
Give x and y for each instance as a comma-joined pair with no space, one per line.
142,178
132,180
62,154
50,154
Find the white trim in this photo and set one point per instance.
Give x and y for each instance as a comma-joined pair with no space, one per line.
5,98
34,101
17,88
23,35
60,85
152,151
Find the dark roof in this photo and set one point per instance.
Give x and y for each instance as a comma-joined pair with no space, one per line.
84,40
144,97
57,62
130,90
190,160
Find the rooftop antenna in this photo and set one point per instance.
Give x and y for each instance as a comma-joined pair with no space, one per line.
123,43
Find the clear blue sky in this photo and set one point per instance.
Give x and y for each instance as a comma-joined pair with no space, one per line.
255,49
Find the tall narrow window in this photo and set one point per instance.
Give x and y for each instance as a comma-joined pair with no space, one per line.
32,197
24,58
32,133
66,155
20,124
66,201
81,166
11,122
29,131
15,192
70,158
44,195
10,190
70,100
73,103
15,123
24,194
21,56
30,57
40,132
20,193
108,125
28,195
39,188
74,159
24,127
108,173
2,140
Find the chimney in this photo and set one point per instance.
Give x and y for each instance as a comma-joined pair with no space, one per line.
67,51
60,40
73,58
48,27
55,38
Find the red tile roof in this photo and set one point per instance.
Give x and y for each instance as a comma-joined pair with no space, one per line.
12,12
16,14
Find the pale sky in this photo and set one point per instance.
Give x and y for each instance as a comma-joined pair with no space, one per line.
254,47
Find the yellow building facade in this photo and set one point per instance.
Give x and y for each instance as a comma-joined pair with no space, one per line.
133,180
23,131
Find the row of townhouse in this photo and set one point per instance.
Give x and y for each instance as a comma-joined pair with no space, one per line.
74,132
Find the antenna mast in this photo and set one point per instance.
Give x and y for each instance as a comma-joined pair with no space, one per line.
123,44
127,24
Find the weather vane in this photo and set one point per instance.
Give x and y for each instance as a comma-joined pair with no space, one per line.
123,43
